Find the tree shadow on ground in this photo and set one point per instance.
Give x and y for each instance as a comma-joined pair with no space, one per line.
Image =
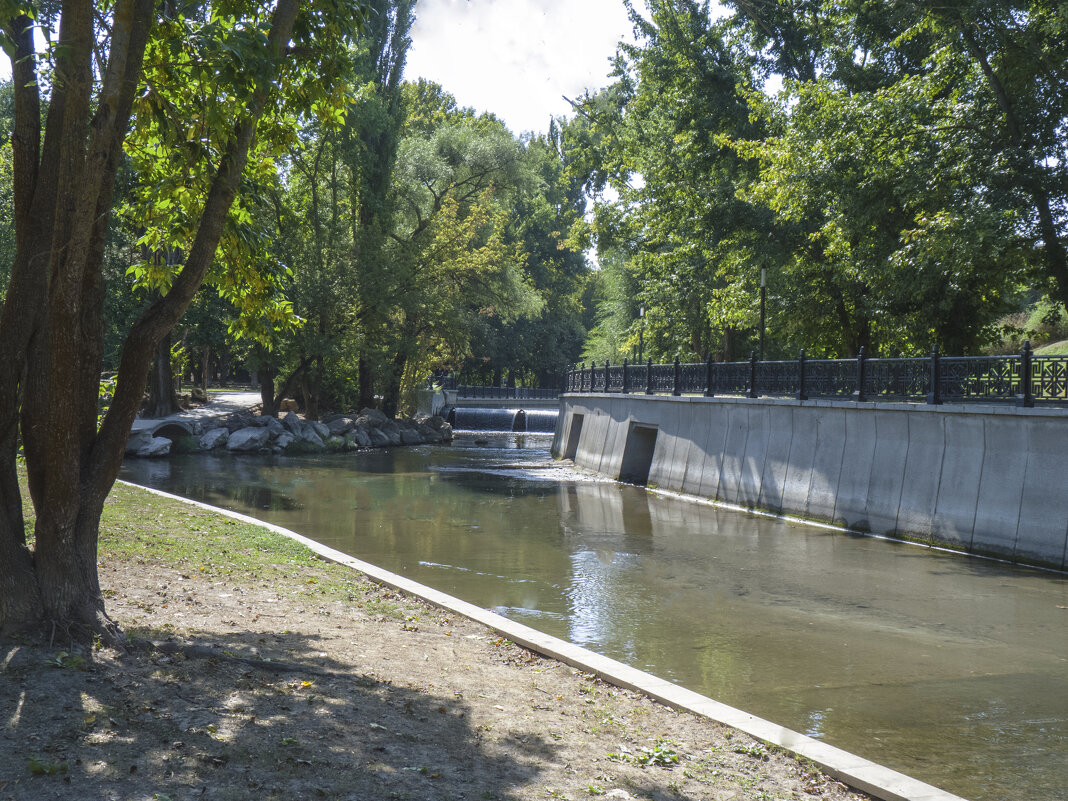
211,718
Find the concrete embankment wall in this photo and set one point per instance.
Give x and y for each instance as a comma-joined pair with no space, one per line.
985,479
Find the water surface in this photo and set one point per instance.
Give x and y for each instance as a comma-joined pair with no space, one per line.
948,668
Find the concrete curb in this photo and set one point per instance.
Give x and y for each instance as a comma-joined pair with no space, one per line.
874,779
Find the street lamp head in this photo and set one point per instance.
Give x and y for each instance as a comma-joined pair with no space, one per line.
763,272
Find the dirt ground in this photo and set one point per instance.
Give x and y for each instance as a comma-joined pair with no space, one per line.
249,688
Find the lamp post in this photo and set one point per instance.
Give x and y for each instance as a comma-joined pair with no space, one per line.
763,298
641,332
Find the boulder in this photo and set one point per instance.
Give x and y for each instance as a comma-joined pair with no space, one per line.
361,436
288,405
215,438
410,435
285,439
339,426
351,443
311,438
335,443
378,438
293,423
436,422
274,425
145,445
375,416
392,432
429,434
319,428
248,439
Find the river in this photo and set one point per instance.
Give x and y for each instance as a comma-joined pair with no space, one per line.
951,669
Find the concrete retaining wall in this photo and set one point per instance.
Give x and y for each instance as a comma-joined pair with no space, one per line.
986,479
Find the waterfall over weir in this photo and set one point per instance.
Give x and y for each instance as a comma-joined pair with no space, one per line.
533,420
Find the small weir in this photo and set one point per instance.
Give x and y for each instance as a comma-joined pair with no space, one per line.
541,421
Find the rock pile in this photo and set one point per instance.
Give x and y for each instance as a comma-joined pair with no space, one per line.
291,434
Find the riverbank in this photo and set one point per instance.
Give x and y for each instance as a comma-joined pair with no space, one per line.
231,422
264,672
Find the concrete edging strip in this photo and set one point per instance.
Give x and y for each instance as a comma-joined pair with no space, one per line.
863,774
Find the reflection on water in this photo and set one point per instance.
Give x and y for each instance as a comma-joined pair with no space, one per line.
951,669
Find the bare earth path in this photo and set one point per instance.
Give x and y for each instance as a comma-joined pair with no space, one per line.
274,675
220,405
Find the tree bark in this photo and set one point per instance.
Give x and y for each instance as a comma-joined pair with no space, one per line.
51,327
391,395
205,368
367,386
268,406
162,399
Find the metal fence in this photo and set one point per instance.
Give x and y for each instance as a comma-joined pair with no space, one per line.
505,393
1024,379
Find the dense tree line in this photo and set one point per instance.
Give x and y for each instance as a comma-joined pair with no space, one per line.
206,184
906,187
217,183
394,236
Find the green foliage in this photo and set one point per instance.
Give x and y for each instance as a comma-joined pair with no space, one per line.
662,754
203,73
906,187
68,661
423,236
104,395
44,766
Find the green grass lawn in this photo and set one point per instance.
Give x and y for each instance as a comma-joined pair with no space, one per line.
1053,349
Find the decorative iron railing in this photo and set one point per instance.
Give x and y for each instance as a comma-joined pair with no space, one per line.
1023,379
509,393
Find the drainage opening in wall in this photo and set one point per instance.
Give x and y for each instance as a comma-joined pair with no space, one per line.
573,437
638,454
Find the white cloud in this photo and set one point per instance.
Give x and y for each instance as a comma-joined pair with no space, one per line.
517,57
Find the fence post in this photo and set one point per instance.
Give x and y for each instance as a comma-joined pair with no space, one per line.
801,394
677,389
934,397
626,389
582,378
606,366
752,393
708,377
858,393
1027,397
649,377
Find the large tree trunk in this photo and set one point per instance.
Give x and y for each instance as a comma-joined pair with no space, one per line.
268,406
391,395
367,384
51,327
205,369
162,399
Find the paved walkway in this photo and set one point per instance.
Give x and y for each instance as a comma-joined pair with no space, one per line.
220,405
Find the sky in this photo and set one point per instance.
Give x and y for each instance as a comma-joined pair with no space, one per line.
517,58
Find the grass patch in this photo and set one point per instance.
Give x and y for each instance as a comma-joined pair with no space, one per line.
1053,349
141,527
144,528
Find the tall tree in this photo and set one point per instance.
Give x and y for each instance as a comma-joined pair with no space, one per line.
107,60
662,136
